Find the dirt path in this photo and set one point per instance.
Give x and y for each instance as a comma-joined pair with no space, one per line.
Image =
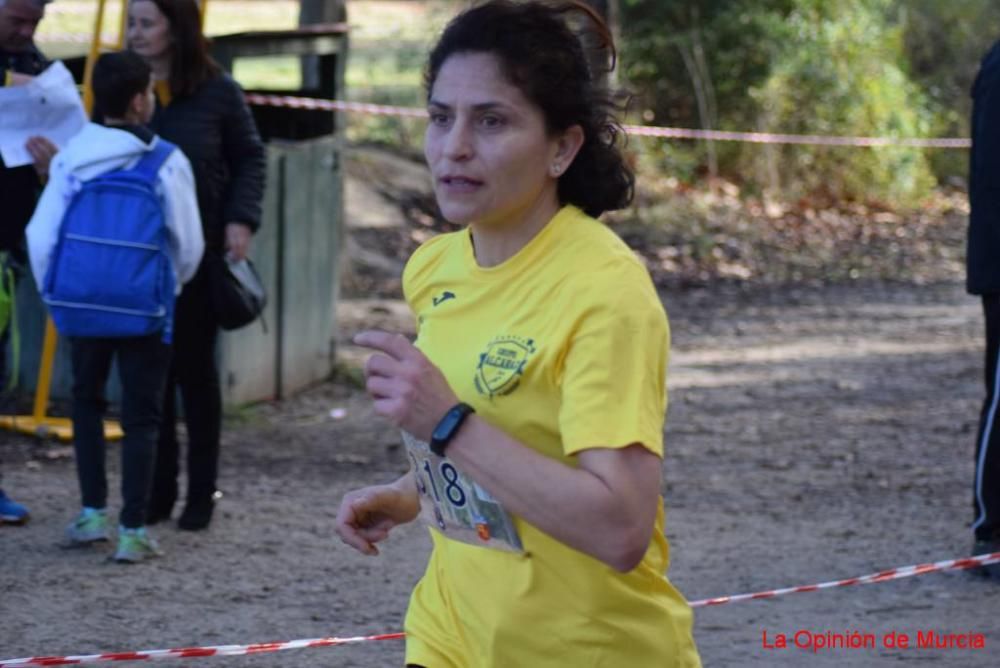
812,435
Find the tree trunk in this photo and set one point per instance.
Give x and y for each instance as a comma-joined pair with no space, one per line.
693,55
598,58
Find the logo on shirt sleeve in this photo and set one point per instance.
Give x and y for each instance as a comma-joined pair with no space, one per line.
502,364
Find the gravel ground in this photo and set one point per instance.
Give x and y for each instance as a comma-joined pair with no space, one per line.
813,435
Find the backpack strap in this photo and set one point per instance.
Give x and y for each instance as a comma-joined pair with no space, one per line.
149,165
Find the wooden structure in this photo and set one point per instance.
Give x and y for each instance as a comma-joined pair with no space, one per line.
296,250
297,247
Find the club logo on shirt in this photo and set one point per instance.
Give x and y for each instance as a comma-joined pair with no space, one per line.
502,364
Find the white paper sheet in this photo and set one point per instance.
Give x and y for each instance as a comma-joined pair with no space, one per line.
49,106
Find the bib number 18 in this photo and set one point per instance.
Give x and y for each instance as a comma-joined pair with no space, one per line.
452,487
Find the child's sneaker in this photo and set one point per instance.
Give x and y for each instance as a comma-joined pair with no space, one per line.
11,512
135,545
90,526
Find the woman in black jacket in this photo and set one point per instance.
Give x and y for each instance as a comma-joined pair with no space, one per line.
203,111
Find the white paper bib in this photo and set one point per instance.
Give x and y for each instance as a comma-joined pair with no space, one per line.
455,505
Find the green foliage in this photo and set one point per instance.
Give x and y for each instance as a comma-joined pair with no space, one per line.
898,68
840,74
943,42
739,38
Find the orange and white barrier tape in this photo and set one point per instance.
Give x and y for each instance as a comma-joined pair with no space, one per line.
316,104
262,648
810,140
637,130
293,102
871,578
194,652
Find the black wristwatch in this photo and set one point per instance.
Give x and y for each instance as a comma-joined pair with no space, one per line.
448,427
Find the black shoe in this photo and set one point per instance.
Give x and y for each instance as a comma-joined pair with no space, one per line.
160,507
980,547
162,497
197,513
157,515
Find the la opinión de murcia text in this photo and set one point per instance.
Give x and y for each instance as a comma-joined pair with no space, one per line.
825,641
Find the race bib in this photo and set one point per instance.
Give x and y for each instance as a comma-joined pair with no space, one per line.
455,505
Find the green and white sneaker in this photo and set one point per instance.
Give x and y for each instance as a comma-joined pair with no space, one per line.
90,526
135,545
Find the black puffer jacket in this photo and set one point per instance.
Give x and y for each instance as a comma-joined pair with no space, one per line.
19,186
215,130
983,257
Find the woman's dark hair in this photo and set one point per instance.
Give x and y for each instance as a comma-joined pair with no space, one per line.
192,65
118,77
541,55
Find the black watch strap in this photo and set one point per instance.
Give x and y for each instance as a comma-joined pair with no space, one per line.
448,427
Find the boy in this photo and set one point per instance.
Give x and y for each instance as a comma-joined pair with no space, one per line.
123,94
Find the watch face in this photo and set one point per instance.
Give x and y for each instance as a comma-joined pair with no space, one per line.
446,428
447,424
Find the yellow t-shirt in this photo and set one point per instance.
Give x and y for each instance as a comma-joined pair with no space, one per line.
161,87
564,346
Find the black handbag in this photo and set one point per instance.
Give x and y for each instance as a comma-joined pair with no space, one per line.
238,294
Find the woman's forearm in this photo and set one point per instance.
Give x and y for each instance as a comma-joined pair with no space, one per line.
606,507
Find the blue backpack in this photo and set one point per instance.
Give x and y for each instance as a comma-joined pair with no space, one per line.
111,274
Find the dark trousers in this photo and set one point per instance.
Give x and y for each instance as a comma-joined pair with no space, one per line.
7,263
6,403
13,257
142,369
4,340
986,489
7,399
194,371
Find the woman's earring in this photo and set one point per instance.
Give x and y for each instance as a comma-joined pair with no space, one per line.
556,169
